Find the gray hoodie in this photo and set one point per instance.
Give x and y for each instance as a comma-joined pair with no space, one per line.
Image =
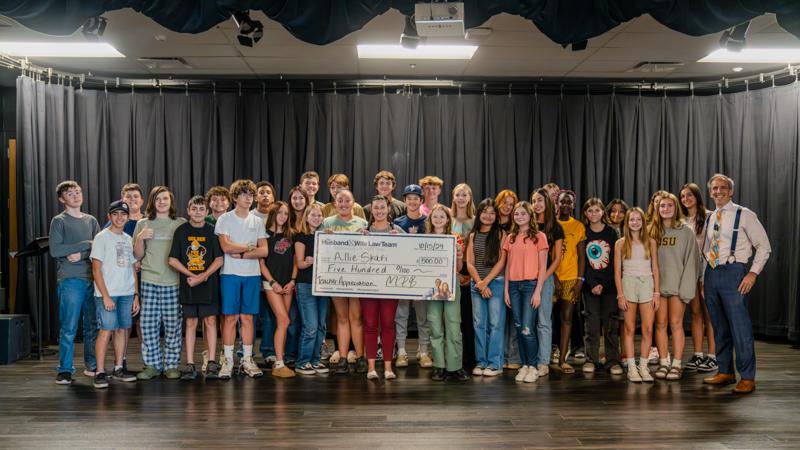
679,263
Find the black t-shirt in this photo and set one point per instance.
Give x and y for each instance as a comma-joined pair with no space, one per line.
280,259
196,249
556,234
505,226
600,257
305,275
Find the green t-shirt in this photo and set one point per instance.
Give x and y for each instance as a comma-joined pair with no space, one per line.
155,268
336,223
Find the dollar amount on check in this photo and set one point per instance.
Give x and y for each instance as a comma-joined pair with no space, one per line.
392,266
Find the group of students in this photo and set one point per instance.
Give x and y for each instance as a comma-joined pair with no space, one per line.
524,256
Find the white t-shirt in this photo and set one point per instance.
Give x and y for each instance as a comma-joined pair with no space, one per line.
115,251
240,231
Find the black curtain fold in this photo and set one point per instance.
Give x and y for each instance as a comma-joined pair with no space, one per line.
598,145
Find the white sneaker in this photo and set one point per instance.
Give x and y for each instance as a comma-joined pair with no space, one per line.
226,370
477,371
306,369
543,370
521,373
321,368
351,357
251,368
588,367
633,374
205,361
644,372
489,372
389,375
531,375
372,375
652,357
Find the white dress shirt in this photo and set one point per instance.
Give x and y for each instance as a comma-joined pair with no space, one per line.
751,234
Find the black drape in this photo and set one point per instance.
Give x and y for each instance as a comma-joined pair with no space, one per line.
605,145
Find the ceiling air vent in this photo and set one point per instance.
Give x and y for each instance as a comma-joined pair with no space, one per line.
164,63
655,66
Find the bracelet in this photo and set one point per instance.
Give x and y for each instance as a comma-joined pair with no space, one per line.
271,282
620,296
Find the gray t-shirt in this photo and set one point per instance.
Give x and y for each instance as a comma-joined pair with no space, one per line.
70,235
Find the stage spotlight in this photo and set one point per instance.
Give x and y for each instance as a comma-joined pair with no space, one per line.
735,38
250,31
409,38
93,28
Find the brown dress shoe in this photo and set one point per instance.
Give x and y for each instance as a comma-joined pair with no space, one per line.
720,379
745,387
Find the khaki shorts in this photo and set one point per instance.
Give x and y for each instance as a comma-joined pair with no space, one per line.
638,289
567,291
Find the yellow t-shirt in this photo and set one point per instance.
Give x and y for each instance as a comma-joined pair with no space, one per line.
574,233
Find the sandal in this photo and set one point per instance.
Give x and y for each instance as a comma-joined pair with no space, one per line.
661,372
675,373
566,368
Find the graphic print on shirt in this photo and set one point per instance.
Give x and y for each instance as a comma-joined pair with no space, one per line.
124,253
598,253
282,246
195,254
668,241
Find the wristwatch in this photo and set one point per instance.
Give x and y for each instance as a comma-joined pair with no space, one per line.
271,282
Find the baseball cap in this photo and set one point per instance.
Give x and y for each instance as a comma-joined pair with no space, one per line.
412,189
118,205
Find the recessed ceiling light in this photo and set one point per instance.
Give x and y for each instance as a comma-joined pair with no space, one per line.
737,69
421,52
60,49
755,55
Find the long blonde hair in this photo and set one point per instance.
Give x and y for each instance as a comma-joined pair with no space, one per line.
656,227
627,234
470,204
304,228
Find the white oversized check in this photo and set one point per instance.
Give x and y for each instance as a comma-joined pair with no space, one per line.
392,266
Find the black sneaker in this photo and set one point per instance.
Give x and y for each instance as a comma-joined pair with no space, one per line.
125,364
694,362
460,375
439,374
212,370
361,365
123,375
342,366
101,380
708,365
189,373
64,378
290,363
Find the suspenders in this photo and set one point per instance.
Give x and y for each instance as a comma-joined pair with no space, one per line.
731,257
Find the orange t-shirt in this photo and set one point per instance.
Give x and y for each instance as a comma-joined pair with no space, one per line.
523,256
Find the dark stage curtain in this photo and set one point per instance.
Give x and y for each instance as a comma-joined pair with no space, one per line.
322,22
600,145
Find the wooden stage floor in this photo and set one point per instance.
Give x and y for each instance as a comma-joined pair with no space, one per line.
347,411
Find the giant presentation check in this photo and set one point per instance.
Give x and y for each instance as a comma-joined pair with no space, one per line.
392,266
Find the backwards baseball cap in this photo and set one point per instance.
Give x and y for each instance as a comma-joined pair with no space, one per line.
118,205
412,189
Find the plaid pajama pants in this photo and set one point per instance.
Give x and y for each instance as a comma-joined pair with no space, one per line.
160,305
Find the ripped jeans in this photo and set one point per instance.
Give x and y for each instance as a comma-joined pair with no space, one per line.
525,317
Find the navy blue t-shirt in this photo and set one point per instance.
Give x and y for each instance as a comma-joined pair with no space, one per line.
411,226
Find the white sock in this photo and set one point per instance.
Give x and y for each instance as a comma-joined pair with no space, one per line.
663,362
228,351
278,364
712,356
401,351
248,350
699,354
631,362
117,368
676,363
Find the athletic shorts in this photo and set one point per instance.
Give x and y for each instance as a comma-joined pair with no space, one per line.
119,318
567,291
240,295
638,289
200,310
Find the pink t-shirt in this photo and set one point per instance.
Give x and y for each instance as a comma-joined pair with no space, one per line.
523,256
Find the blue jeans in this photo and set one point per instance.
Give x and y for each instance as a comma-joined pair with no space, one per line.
489,320
267,346
525,319
732,327
76,295
293,334
314,313
544,328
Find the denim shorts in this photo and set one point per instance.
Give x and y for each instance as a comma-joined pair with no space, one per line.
120,318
